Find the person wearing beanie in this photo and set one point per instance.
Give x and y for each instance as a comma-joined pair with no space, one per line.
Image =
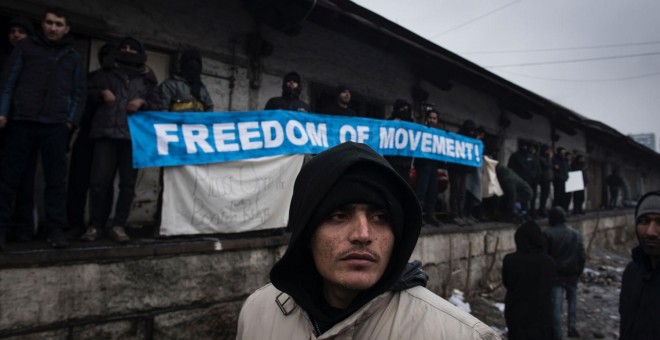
38,113
527,275
566,248
290,99
340,106
545,178
126,87
560,176
80,165
639,302
184,91
354,224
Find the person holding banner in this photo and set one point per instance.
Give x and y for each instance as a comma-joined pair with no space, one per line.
290,99
426,185
560,175
401,164
340,106
128,87
345,273
185,92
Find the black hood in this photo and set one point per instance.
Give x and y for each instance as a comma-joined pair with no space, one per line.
287,91
529,238
296,274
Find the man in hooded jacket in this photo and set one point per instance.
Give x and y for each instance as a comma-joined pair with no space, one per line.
290,99
185,92
127,87
354,225
565,246
639,302
527,275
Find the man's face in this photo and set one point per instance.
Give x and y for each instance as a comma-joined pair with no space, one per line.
432,119
128,48
54,27
648,229
344,97
292,84
16,34
351,249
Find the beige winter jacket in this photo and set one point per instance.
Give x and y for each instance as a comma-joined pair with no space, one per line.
415,313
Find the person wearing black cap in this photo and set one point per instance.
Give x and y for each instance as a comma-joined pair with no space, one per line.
39,113
18,30
527,275
185,92
560,176
80,166
565,246
426,184
340,106
345,274
639,302
290,99
127,87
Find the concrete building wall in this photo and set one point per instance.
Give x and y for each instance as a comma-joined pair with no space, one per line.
193,295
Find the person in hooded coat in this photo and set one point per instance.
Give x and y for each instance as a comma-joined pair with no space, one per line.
639,302
128,87
290,99
566,248
378,296
401,112
185,92
527,276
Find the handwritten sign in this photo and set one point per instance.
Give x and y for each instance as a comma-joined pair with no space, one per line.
228,197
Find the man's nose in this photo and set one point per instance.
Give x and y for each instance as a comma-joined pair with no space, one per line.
360,232
654,228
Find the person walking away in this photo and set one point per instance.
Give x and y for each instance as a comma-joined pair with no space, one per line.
566,248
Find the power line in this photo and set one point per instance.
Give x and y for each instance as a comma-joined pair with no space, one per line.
475,19
567,61
639,76
563,48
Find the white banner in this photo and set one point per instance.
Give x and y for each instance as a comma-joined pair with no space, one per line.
575,181
228,197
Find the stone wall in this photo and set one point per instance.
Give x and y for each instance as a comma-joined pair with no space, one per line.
194,289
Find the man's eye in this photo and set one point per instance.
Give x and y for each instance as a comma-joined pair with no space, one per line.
644,220
380,217
337,216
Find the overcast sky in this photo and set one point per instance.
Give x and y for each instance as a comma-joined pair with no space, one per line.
599,58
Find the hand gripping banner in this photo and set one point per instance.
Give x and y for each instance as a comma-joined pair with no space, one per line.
175,138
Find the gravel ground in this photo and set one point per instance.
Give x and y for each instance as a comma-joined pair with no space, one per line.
598,297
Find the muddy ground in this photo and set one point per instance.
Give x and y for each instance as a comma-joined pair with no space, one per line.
598,297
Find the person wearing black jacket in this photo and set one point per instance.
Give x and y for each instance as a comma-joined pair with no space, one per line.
401,112
127,87
527,276
80,166
457,179
20,29
639,302
545,178
579,164
340,107
290,99
42,96
426,186
566,248
525,163
560,175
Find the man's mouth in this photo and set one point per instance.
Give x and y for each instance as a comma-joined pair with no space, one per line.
358,256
